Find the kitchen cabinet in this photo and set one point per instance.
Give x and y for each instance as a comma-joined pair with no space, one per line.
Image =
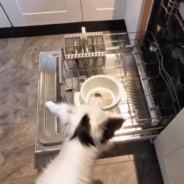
42,12
39,12
96,10
4,22
170,151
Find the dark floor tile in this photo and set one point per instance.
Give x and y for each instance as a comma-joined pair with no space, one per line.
24,58
11,43
148,171
142,150
25,180
3,43
49,42
12,76
18,102
136,150
43,159
118,173
17,151
118,149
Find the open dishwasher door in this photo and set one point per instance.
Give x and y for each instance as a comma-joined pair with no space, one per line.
170,151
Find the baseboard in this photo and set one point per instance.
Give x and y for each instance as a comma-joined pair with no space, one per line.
14,32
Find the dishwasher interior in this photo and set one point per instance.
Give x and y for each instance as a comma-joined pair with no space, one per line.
149,97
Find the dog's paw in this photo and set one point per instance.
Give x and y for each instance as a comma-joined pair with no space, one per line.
52,107
49,104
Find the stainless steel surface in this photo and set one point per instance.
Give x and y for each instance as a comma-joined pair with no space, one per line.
48,91
47,85
61,59
126,64
84,39
145,85
47,123
90,51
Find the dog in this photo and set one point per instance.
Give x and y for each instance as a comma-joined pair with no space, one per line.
86,131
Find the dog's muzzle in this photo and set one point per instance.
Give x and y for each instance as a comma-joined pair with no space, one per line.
96,99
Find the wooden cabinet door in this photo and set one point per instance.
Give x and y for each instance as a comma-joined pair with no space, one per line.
4,22
96,10
170,151
39,12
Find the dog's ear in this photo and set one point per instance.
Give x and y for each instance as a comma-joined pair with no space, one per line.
110,126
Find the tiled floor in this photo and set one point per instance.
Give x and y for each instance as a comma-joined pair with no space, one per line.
136,162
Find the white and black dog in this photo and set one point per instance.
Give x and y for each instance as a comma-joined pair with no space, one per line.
85,131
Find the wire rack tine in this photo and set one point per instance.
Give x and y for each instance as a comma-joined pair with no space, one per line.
172,9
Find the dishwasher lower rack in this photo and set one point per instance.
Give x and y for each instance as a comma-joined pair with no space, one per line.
137,64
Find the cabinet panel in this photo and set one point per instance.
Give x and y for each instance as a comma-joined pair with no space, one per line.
105,4
39,12
96,10
4,22
175,165
41,6
170,150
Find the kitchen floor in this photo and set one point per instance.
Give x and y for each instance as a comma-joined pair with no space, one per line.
132,163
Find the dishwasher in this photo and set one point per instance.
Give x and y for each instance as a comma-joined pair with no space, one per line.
149,99
148,65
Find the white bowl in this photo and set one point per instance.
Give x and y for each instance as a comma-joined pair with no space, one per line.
109,89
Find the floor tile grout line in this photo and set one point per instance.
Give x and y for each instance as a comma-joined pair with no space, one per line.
22,81
115,162
31,47
15,124
18,178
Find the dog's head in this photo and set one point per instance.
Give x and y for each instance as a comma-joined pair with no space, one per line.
88,122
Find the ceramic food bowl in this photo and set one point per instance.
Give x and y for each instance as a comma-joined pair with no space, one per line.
107,87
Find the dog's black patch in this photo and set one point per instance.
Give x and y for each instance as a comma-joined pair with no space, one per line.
83,132
111,125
